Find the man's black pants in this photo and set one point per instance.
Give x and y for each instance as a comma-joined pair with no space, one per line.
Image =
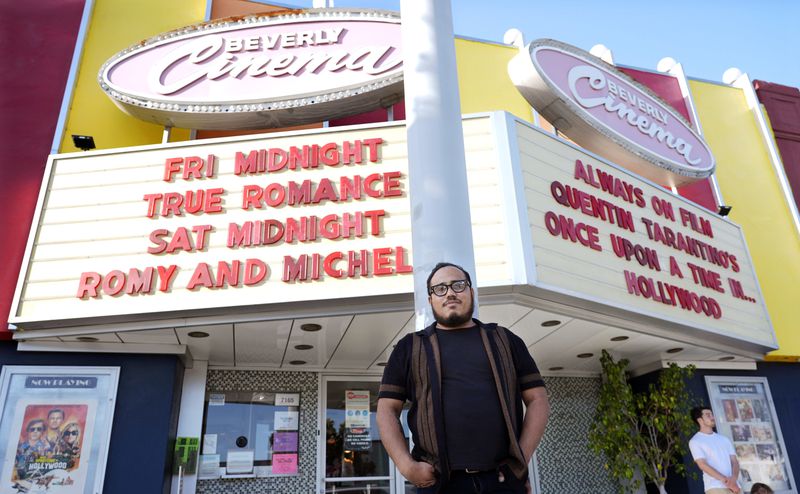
487,482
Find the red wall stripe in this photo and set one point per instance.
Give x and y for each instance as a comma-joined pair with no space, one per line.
783,107
36,46
668,88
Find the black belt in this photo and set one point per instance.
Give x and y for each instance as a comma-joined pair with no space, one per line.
472,471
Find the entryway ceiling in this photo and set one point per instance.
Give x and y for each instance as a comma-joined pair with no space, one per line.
362,342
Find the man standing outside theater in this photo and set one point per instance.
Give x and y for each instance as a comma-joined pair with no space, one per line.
714,455
466,382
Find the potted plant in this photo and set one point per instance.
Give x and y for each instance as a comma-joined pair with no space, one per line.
643,432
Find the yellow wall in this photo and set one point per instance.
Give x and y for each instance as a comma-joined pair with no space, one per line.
484,84
748,183
113,26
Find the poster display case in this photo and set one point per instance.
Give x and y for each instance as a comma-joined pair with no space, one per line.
55,428
745,413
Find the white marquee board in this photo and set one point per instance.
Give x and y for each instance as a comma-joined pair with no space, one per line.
563,187
94,217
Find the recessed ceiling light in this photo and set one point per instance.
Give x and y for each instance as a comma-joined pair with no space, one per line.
620,338
310,327
729,357
381,364
86,338
297,362
675,350
303,347
585,355
551,322
198,334
556,368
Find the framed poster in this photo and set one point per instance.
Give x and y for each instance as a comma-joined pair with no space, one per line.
55,426
745,413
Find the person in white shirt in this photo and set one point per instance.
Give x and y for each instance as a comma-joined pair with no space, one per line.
714,454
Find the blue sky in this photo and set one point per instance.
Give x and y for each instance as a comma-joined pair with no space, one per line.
706,36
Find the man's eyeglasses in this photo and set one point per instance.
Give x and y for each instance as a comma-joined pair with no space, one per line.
71,433
36,428
440,290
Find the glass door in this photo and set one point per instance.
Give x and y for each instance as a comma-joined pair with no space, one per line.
355,461
403,486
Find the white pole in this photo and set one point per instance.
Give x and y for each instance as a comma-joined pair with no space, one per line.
190,420
440,218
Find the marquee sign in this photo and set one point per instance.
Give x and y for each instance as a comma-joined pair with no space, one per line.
236,225
607,112
269,70
600,233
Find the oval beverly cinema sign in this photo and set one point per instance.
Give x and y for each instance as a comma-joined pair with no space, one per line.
608,113
271,70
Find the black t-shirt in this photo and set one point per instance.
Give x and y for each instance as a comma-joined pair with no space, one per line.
475,432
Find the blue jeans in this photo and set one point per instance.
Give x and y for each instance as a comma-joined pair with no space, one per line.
478,483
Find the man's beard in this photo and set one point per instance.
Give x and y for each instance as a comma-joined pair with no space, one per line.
455,319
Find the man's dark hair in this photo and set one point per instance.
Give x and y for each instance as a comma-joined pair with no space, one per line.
444,265
758,487
56,410
697,412
35,421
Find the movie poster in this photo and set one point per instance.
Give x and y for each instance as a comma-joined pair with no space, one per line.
731,415
48,450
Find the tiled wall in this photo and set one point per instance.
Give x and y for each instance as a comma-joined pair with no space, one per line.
305,383
566,465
